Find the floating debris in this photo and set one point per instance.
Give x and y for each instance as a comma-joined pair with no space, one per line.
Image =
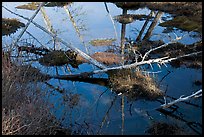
10,26
179,49
124,19
35,5
102,42
197,82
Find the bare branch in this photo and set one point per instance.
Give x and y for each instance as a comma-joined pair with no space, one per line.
194,95
84,55
164,45
29,21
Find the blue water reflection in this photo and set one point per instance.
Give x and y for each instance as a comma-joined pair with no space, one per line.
96,100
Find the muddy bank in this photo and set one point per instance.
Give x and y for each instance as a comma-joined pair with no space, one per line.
176,8
184,23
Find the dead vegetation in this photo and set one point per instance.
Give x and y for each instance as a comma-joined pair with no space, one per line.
107,58
190,13
134,85
183,23
59,58
24,112
178,49
29,6
102,42
161,128
129,18
10,26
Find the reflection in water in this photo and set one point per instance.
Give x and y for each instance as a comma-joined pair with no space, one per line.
79,100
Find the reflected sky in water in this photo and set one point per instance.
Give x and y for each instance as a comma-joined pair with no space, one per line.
91,108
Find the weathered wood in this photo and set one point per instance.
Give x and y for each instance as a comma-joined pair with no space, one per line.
152,26
144,26
123,29
194,95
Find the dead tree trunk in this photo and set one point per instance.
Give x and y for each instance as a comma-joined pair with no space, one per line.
123,36
152,26
144,26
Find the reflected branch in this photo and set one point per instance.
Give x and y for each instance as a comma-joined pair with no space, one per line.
106,115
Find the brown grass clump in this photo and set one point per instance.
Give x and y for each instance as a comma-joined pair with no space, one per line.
134,84
59,58
29,6
10,26
102,42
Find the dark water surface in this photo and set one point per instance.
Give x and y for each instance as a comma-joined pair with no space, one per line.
97,102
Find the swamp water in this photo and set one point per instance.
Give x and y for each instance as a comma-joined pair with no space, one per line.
92,107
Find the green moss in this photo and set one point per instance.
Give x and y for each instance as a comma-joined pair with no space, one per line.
183,23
